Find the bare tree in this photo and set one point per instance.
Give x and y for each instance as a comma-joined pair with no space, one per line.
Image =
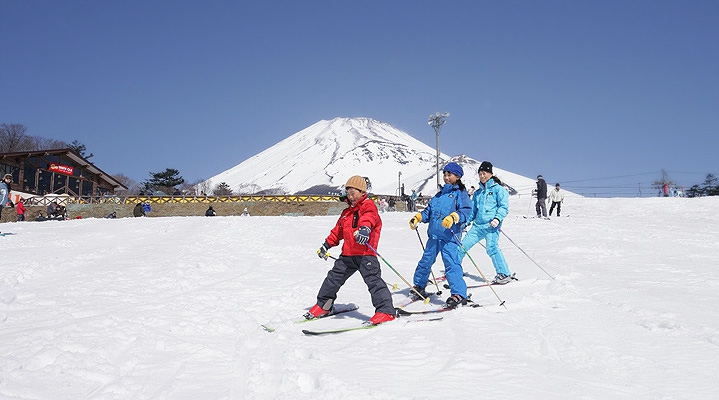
190,188
132,186
14,138
40,143
203,187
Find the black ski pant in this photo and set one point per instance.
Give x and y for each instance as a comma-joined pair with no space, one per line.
559,207
369,268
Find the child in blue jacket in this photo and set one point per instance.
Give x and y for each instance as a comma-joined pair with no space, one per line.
446,212
490,204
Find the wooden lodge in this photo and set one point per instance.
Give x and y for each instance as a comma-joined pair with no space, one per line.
56,172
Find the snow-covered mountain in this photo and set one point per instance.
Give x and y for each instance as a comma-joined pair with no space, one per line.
320,158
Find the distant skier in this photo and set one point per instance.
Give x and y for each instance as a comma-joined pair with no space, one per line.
358,226
541,206
210,212
556,196
446,212
413,201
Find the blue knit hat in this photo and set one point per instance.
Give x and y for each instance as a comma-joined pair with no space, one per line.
454,168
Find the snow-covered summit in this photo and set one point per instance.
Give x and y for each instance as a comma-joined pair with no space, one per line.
320,158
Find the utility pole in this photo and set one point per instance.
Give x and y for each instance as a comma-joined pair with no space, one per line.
399,183
436,121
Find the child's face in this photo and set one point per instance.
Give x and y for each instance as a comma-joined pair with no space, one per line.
450,178
353,195
484,176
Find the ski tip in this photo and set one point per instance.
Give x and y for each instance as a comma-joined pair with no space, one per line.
268,329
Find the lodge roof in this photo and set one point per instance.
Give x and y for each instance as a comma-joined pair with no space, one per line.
71,154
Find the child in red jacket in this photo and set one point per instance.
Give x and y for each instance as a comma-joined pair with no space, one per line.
358,225
20,208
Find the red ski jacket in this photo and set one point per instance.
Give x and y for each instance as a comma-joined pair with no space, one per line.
364,213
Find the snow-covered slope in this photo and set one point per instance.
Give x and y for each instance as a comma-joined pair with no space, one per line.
170,308
320,158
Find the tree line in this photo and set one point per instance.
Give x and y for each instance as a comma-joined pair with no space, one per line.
710,187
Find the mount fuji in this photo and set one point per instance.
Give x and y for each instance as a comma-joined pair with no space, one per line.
320,158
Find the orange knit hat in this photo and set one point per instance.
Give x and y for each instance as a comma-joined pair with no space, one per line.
357,182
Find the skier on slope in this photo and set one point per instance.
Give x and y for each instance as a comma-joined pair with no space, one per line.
490,205
541,206
556,196
446,212
358,225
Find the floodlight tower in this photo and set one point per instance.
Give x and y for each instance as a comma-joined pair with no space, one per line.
436,121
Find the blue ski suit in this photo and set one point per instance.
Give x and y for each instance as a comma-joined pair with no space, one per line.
490,201
442,240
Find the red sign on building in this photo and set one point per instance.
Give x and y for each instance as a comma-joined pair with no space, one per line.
61,169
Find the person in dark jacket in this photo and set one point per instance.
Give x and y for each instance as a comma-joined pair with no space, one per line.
138,211
541,205
210,212
446,212
359,226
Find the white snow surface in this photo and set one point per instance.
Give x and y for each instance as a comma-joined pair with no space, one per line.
171,308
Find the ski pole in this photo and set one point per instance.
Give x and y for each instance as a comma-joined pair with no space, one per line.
525,253
425,299
439,292
393,286
489,285
529,207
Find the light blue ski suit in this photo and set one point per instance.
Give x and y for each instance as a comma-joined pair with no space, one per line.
490,201
441,239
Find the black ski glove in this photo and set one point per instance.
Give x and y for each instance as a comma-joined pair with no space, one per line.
323,251
362,235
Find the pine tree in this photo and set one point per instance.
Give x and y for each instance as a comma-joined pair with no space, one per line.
223,189
80,149
710,187
165,181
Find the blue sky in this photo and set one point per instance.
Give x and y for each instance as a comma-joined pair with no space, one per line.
598,95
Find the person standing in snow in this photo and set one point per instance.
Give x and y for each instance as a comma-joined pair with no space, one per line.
413,201
358,226
556,196
490,205
541,205
446,212
5,191
20,209
210,212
